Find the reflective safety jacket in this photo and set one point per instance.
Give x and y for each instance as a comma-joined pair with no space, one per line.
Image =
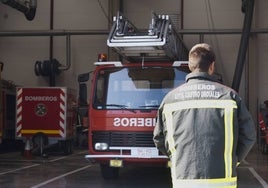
205,129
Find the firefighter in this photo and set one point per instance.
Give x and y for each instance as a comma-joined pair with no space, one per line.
204,127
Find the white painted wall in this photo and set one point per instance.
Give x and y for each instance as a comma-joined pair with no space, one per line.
19,54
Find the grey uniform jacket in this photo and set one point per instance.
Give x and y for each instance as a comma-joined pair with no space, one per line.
205,129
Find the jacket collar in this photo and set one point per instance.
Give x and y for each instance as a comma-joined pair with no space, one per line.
200,76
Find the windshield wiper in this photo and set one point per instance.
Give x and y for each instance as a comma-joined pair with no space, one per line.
120,106
150,106
116,105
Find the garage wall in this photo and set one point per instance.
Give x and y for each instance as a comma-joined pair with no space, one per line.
19,54
22,52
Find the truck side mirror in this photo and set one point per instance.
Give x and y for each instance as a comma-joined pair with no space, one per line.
83,88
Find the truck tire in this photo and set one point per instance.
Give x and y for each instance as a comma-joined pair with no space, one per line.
109,172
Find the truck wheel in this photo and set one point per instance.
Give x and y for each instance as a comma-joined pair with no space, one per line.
109,172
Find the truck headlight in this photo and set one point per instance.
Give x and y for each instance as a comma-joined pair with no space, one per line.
101,146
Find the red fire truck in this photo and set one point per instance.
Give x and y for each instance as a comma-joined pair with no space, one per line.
45,115
125,95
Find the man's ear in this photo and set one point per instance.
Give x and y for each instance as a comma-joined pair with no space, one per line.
211,68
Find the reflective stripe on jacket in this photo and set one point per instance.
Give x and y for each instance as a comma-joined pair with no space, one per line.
205,129
206,183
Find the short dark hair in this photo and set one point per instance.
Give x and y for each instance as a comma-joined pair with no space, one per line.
200,57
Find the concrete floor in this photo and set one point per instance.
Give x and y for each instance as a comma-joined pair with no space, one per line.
74,171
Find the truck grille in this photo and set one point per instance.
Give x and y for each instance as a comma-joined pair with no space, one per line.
124,139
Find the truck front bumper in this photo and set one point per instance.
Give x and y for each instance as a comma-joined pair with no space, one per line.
132,152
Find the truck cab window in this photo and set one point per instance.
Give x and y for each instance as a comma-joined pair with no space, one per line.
135,87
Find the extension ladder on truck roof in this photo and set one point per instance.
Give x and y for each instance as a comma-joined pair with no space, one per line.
161,42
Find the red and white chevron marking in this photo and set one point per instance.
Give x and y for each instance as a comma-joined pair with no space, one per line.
62,114
19,112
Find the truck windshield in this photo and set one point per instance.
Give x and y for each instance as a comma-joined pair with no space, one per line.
135,87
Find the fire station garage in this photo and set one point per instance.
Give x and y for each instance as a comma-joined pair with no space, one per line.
81,83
